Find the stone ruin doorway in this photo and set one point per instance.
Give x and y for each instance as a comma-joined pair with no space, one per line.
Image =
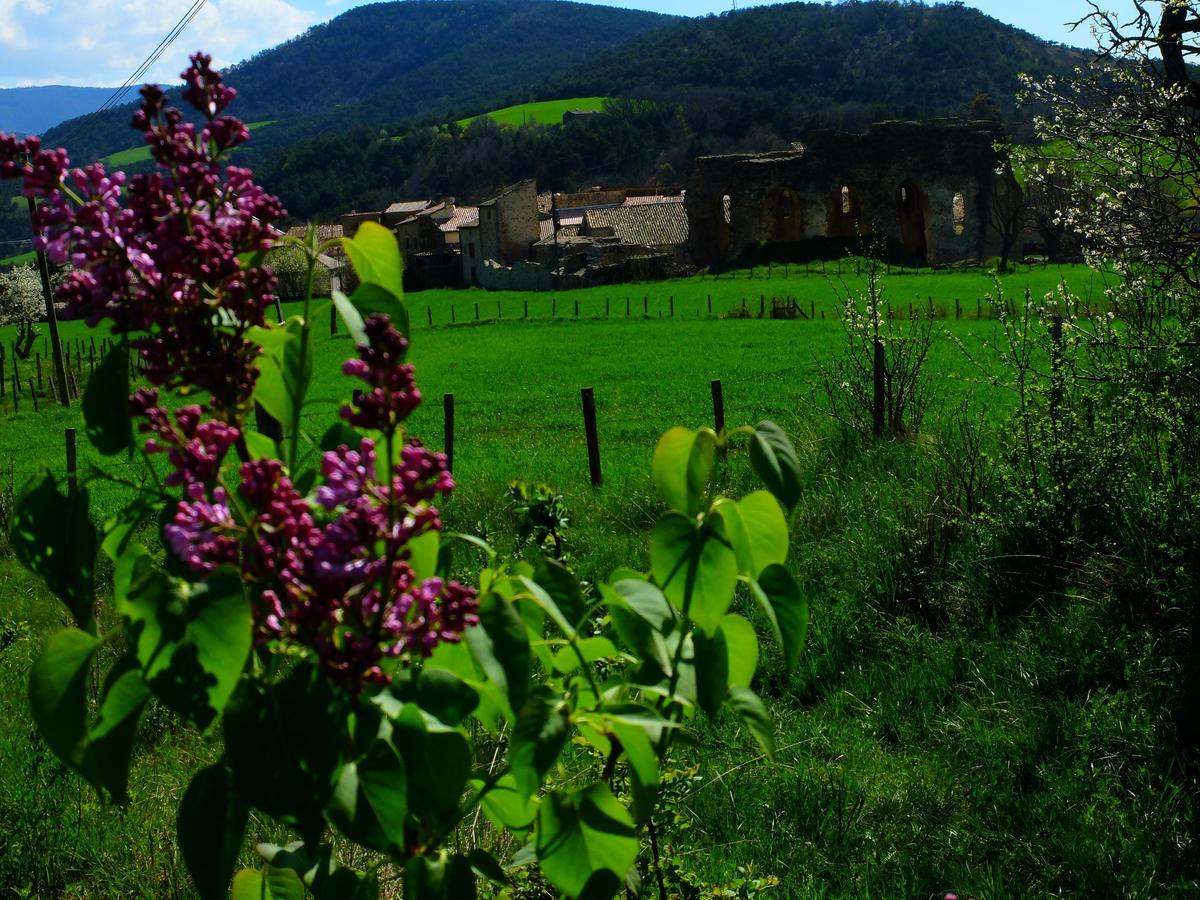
916,220
843,213
784,221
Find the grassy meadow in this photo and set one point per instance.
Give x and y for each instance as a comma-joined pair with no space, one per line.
938,736
544,112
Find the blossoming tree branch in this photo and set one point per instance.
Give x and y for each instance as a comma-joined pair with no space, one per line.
305,615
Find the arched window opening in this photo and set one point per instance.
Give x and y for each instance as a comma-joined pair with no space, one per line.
913,215
960,213
845,200
904,195
727,208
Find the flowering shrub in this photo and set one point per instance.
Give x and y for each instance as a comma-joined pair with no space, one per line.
21,296
310,612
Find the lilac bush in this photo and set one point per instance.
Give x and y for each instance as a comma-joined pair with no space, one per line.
311,611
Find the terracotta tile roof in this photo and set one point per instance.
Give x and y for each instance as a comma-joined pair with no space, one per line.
463,216
652,225
407,207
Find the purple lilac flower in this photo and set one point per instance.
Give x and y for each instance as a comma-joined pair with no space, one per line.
393,395
203,532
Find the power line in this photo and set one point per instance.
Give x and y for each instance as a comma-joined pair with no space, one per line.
155,55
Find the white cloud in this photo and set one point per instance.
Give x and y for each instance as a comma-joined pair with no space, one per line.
99,42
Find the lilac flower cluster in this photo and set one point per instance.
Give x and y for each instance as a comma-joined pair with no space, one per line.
393,395
160,257
164,264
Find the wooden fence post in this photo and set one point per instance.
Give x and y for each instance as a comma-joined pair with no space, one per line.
718,398
451,313
526,308
593,440
476,311
278,308
332,320
710,304
645,306
429,315
672,306
448,429
34,395
71,461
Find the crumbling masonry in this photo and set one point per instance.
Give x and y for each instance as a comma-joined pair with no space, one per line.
926,188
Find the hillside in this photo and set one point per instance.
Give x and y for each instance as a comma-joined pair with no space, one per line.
32,110
798,66
394,61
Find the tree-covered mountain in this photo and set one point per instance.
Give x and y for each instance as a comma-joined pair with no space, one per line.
798,66
31,110
387,62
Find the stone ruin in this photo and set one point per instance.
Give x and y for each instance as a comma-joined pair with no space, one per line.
925,188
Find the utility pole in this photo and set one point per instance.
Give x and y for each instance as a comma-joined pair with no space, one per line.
60,371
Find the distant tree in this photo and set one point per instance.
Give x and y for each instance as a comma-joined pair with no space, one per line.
21,297
1006,213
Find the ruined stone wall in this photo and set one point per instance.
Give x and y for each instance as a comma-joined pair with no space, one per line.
900,178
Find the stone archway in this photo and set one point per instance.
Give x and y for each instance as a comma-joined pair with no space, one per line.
843,213
783,219
916,220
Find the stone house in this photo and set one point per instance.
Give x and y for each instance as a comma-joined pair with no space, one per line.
506,229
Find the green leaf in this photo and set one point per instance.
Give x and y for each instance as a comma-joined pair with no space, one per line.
119,528
506,805
742,645
106,403
682,467
648,602
712,670
211,827
695,569
583,834
423,554
566,660
500,646
546,603
487,865
758,531
444,878
786,609
284,745
774,459
539,736
438,760
371,298
756,717
643,768
260,445
58,692
192,640
340,434
285,369
110,741
445,695
267,884
53,537
370,802
563,588
352,317
376,258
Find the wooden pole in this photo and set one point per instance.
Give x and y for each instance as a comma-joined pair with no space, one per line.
51,316
593,440
34,395
448,410
718,398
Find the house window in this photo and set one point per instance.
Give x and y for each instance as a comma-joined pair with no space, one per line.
845,200
959,210
727,208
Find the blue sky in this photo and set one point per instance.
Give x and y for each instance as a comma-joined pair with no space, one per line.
101,42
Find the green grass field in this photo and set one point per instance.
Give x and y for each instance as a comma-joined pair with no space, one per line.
925,745
20,259
545,112
142,154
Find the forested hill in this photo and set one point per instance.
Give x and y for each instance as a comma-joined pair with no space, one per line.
802,65
392,61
